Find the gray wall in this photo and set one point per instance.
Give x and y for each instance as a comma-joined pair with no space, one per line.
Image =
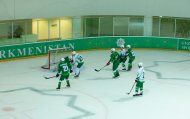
25,9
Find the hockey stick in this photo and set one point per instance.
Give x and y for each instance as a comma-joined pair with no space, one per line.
49,77
97,70
132,88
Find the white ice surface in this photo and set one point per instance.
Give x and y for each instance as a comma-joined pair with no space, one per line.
25,94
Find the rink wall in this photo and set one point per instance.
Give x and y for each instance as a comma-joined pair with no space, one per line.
41,48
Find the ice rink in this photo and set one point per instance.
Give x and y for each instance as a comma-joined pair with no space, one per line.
25,94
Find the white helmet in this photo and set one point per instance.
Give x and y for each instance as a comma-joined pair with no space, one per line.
74,52
70,57
113,50
122,46
140,64
128,46
62,59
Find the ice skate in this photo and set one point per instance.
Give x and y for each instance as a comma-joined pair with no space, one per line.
128,69
115,76
76,76
59,86
68,86
136,94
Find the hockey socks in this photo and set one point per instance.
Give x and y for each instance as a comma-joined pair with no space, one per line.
129,67
116,74
68,84
123,65
59,85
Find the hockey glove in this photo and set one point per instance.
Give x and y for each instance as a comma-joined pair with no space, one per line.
136,79
57,75
108,63
71,61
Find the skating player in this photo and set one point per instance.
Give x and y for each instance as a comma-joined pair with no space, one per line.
78,62
64,71
139,80
69,60
131,55
114,58
123,57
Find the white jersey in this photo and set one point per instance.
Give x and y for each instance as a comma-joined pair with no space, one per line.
140,74
122,52
78,59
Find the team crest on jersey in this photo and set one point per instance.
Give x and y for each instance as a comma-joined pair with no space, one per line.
120,42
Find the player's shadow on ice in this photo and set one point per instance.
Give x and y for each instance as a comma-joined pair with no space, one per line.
130,97
101,78
124,99
108,69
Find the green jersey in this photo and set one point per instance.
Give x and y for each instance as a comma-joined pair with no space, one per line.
68,61
114,57
130,53
63,68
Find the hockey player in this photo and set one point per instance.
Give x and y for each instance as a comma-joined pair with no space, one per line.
123,56
139,80
114,58
78,62
130,53
64,71
69,60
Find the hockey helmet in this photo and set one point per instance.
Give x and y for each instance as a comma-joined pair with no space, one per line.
128,46
70,57
74,53
122,46
140,64
62,59
112,50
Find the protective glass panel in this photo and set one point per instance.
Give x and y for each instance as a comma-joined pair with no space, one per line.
136,26
54,29
66,28
167,27
155,26
106,26
6,30
91,26
121,26
43,30
182,28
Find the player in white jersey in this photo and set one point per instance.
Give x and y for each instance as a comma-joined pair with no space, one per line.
123,56
139,80
77,63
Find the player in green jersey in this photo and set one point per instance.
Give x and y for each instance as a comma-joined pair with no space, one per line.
69,60
130,53
63,70
114,58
